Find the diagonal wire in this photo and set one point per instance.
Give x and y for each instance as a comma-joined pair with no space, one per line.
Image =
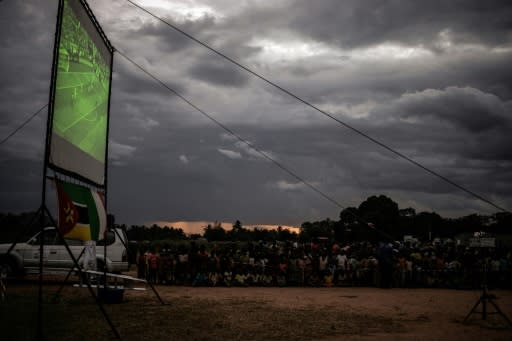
23,124
252,146
230,131
332,117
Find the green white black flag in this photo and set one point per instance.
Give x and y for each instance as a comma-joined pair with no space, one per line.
82,212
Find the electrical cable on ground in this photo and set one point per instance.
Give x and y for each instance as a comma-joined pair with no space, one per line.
23,124
252,146
331,116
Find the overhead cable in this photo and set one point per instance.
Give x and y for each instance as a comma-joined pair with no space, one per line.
23,124
230,131
323,112
252,146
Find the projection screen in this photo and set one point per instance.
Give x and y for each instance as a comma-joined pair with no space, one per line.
78,137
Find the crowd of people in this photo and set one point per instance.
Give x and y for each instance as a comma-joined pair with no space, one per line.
323,263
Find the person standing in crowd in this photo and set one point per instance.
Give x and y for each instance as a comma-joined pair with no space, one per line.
153,262
141,265
385,258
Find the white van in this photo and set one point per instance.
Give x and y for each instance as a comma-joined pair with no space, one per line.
24,258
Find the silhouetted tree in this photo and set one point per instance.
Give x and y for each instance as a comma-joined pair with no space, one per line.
285,234
214,233
382,212
323,228
349,217
238,232
408,212
427,225
20,226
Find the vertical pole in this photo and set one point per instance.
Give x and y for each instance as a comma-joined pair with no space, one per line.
484,306
105,180
105,183
485,294
105,262
49,123
45,166
40,290
106,159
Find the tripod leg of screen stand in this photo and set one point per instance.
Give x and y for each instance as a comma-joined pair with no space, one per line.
500,312
473,310
484,298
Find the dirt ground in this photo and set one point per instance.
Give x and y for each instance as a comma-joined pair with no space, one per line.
290,313
425,314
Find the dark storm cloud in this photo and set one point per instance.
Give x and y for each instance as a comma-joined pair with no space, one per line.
355,82
468,108
338,162
127,78
219,72
23,48
169,40
29,31
464,121
20,184
206,67
447,105
24,82
481,70
356,23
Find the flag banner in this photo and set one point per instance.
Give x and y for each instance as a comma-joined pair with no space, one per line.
82,214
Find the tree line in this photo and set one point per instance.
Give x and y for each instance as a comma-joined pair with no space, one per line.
376,218
379,217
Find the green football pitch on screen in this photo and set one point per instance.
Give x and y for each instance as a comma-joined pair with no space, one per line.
82,88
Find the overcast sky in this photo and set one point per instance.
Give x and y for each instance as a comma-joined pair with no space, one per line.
431,79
